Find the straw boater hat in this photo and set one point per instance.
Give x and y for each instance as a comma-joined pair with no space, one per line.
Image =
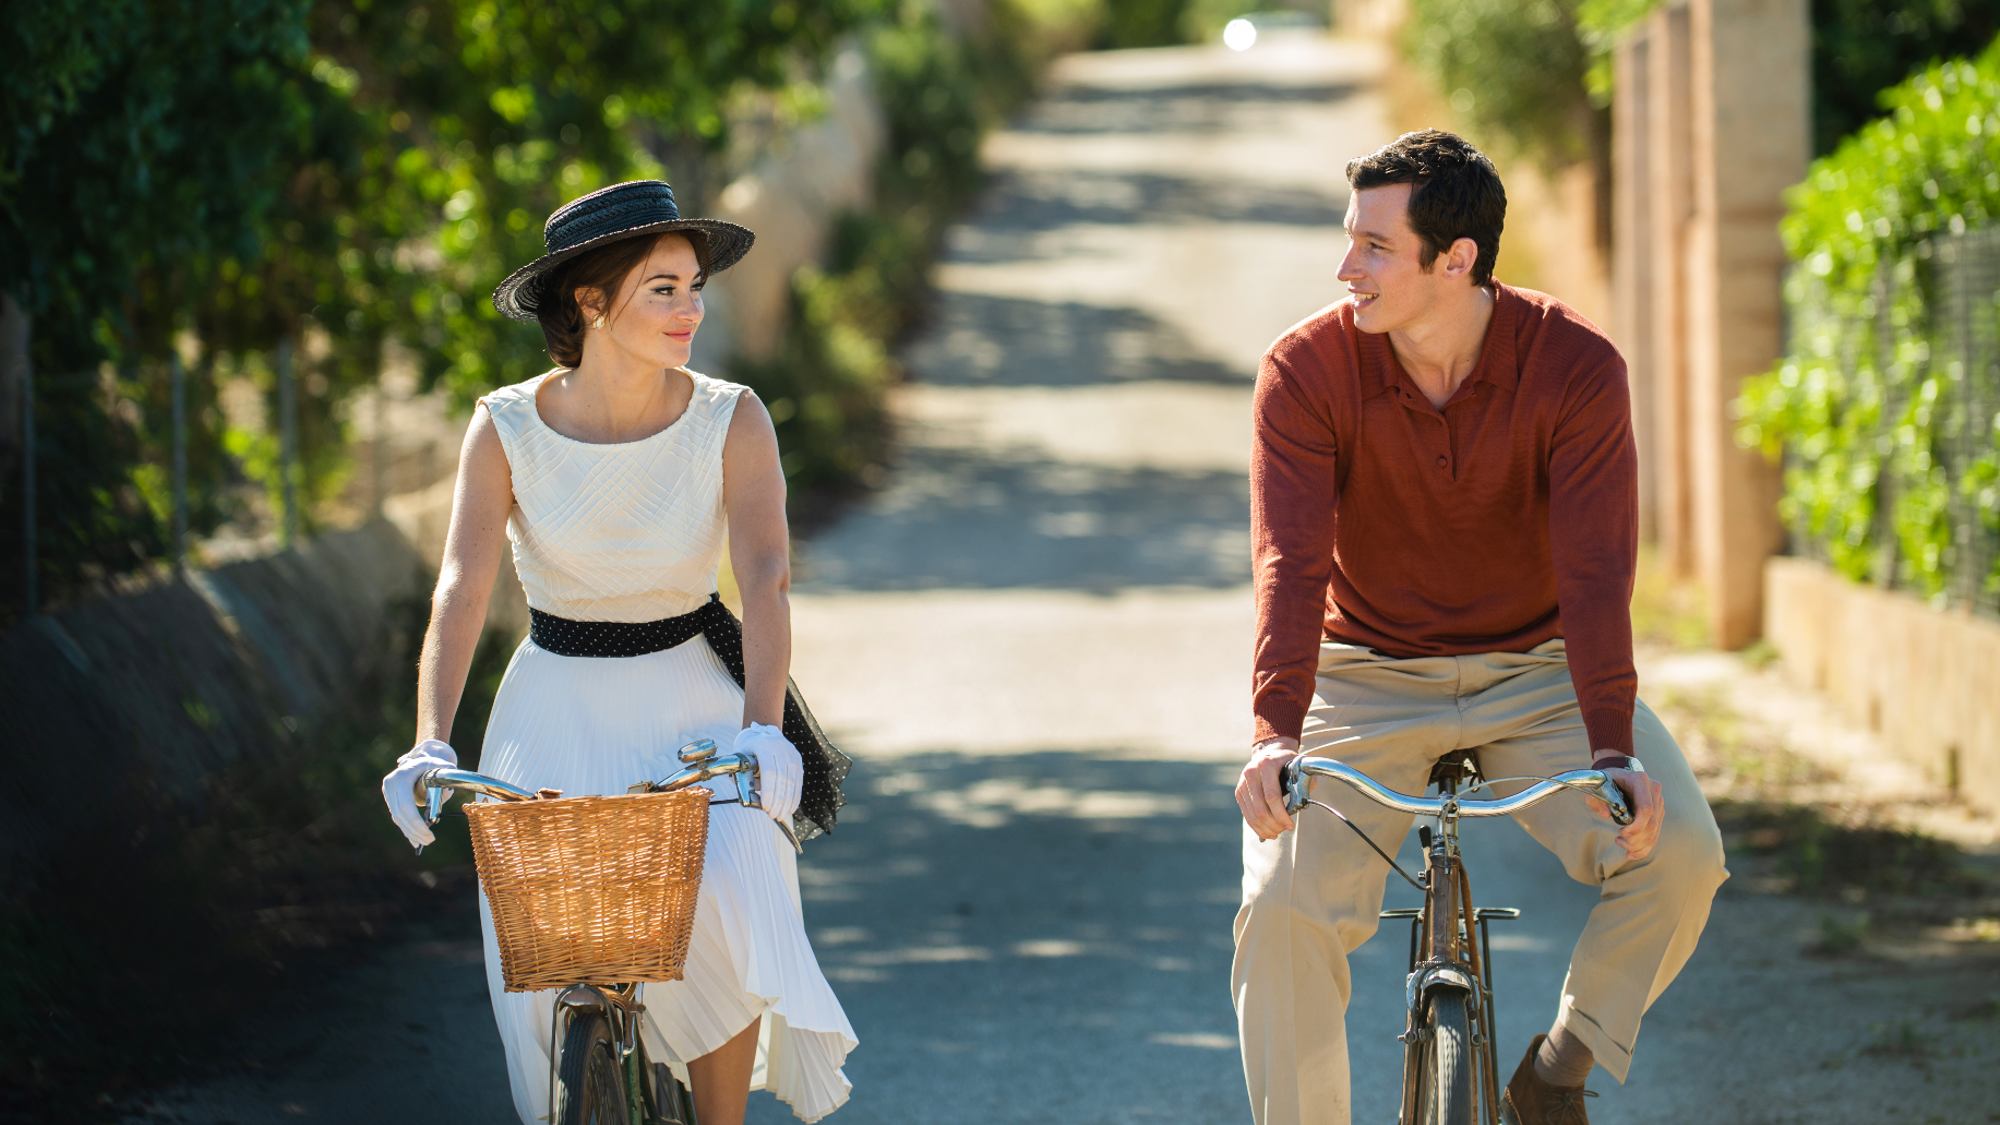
605,216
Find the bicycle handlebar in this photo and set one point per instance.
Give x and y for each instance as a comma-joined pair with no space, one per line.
702,763
1294,778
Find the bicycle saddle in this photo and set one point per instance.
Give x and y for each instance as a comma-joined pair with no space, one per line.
1461,766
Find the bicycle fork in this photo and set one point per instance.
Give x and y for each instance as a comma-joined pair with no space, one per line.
620,1004
1446,953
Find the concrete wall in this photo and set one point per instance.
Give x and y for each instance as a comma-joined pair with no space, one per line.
1921,678
119,709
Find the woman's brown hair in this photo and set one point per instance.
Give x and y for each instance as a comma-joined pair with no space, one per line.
603,269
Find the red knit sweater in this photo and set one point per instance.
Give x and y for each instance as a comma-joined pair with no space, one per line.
1503,520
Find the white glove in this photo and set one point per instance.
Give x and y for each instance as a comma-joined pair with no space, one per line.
780,774
399,787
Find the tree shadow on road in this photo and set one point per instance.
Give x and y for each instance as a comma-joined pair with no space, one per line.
1005,519
983,339
1048,929
1023,206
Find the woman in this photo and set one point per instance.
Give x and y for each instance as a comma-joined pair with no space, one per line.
615,476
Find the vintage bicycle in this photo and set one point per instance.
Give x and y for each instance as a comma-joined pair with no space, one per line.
1450,1073
600,1073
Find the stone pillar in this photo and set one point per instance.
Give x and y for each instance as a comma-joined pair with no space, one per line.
1750,122
1670,204
1632,272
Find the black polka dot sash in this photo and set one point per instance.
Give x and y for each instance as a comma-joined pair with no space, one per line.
826,767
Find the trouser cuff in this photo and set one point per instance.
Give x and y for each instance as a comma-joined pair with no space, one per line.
1606,1051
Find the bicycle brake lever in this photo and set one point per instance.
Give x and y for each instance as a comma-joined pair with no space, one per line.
1621,810
430,801
1296,785
748,796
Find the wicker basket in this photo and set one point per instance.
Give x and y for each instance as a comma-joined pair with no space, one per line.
596,890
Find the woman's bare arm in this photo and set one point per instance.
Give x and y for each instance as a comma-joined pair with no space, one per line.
760,554
480,503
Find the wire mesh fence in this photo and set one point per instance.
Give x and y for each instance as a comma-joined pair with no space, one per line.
1933,428
128,474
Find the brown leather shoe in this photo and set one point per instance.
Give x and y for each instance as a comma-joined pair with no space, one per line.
1531,1101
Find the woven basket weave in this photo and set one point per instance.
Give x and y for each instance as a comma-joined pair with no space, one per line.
593,890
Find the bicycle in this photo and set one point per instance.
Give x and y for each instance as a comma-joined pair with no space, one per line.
600,1074
1450,1073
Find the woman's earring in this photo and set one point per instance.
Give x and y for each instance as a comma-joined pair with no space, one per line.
599,322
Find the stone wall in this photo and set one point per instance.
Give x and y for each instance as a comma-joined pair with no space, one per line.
791,196
1921,678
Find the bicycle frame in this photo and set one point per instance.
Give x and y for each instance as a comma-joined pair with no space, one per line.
1445,953
1451,957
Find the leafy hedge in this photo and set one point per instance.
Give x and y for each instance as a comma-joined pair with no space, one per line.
1888,405
229,175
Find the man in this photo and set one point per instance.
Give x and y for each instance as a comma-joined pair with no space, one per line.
1444,521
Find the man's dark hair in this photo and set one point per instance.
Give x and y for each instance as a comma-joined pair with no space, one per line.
1457,194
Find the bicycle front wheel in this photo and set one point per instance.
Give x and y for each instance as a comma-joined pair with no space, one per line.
590,1083
1444,1062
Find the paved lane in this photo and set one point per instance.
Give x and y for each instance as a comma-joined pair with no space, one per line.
1036,636
1036,641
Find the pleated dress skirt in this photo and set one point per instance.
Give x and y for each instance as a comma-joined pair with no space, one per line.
595,725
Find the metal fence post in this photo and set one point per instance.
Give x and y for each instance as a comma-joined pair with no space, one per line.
180,463
32,602
288,443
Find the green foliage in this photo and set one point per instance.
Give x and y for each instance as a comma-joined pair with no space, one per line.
826,385
825,389
1600,24
1141,23
140,147
1888,402
1861,47
1514,69
249,171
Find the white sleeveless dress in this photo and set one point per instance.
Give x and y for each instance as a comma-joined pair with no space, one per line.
633,531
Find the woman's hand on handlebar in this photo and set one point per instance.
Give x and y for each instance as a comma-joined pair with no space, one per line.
399,787
1259,794
1649,810
780,773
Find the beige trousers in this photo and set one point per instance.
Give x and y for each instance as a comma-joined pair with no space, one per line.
1311,896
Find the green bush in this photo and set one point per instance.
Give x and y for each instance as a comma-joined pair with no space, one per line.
1860,47
1514,70
827,384
1888,403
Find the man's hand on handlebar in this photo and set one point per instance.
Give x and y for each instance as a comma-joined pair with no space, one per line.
1649,810
1259,795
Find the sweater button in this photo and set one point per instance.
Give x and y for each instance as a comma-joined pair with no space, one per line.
1443,461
